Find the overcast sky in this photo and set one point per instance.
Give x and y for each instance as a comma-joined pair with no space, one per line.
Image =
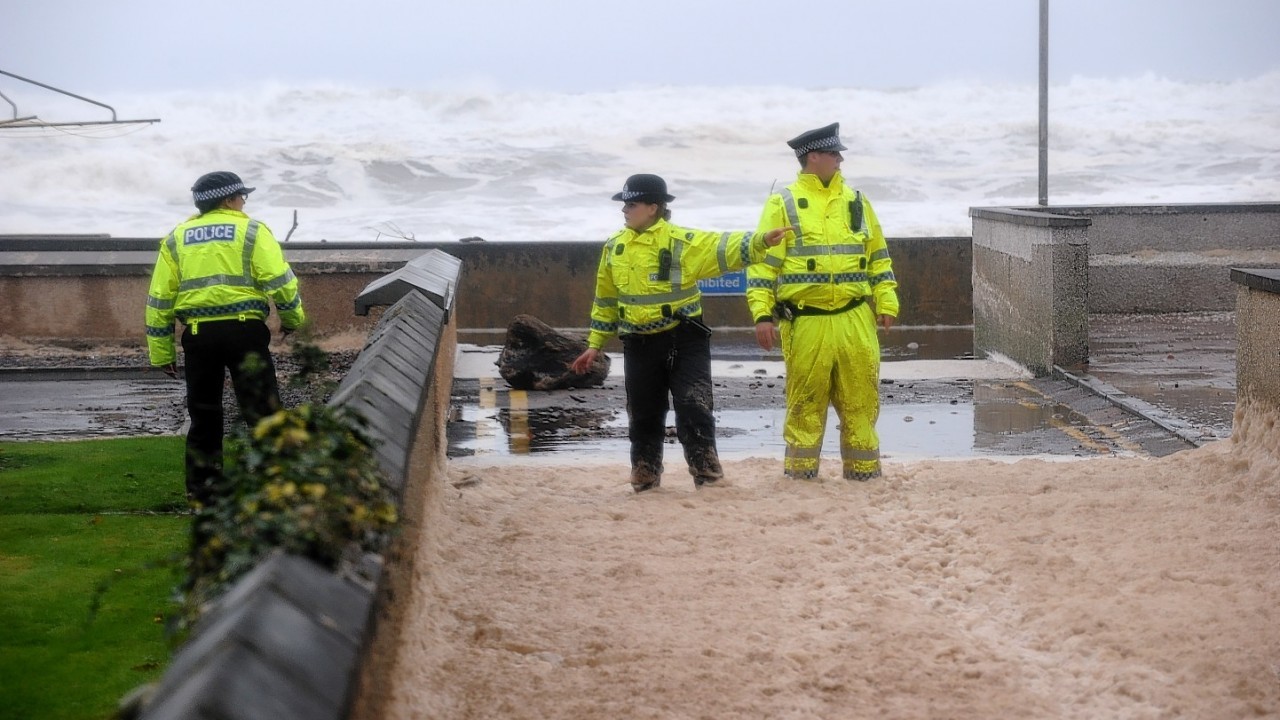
599,45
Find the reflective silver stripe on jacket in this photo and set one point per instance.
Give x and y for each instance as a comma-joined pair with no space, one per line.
677,249
279,282
674,296
793,218
212,280
250,237
845,249
722,253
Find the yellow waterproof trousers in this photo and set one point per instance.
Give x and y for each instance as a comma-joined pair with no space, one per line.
832,360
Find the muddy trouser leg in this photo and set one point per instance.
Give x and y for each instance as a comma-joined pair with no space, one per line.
810,358
693,399
242,348
644,359
855,392
253,372
205,374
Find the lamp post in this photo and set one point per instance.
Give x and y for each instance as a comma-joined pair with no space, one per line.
1044,103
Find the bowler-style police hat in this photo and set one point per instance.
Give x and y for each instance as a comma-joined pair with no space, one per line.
824,138
217,185
644,188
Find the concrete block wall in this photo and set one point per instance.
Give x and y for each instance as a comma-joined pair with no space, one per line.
555,283
1257,336
293,639
1136,259
94,289
1030,288
1173,258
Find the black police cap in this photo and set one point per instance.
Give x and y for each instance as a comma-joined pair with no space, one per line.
644,188
217,185
823,138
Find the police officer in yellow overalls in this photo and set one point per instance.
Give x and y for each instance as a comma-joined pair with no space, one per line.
216,274
647,292
828,286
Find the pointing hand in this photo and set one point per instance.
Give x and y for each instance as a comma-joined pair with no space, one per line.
774,236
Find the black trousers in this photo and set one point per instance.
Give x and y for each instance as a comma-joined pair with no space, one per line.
675,363
210,350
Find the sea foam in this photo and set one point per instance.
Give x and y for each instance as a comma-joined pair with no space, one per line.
361,164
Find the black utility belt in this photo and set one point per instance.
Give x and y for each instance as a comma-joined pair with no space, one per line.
789,311
684,323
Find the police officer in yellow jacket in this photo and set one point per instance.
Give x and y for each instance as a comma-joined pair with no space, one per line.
647,293
828,286
215,274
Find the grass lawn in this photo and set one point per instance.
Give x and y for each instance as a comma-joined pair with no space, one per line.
73,515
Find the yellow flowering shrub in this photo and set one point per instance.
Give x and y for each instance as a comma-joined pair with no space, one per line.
303,479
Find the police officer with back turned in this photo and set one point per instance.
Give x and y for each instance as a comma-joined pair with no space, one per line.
216,274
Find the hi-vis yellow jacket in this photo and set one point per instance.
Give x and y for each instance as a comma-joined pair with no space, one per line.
838,255
221,265
646,279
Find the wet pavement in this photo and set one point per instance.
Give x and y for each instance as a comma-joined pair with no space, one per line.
1155,385
58,405
1177,368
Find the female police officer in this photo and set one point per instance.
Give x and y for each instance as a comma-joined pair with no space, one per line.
647,293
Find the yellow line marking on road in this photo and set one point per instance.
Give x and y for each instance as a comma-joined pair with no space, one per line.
518,402
1078,435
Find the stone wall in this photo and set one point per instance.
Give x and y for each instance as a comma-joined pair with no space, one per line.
1030,288
95,288
1040,271
1173,258
1258,337
293,639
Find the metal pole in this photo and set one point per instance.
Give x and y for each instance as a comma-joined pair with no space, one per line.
64,92
1044,103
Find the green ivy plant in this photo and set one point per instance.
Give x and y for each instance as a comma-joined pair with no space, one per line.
303,479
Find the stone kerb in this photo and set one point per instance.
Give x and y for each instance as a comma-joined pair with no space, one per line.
1257,336
1030,287
288,640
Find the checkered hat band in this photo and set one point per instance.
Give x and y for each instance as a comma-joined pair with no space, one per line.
216,193
818,144
631,195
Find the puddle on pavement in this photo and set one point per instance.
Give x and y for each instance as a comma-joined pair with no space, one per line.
998,419
976,419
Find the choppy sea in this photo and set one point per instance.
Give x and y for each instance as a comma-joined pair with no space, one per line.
365,163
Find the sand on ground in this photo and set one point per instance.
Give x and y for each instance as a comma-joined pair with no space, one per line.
1113,588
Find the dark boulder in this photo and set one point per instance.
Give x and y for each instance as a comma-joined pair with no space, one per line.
537,357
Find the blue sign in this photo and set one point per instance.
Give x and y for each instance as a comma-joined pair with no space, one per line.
734,283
